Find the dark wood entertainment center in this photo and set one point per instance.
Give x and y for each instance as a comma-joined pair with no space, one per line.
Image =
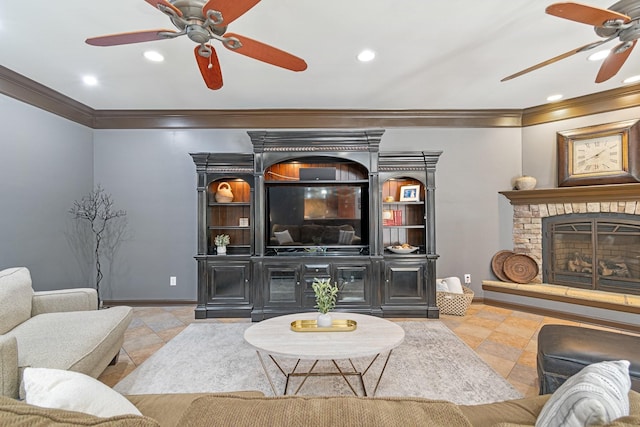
310,204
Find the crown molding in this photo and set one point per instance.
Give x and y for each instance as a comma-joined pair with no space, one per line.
296,119
30,92
600,102
33,93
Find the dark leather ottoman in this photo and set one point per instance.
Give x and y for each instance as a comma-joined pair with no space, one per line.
564,350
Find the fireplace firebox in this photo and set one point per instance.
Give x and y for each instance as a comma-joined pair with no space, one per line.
599,251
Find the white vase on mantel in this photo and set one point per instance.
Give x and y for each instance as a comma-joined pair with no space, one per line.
221,250
526,182
324,320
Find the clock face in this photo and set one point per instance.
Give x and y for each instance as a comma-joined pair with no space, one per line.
601,155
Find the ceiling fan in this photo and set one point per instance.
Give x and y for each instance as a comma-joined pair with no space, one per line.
201,21
621,21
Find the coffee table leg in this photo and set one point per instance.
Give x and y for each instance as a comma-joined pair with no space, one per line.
264,368
305,377
382,372
344,377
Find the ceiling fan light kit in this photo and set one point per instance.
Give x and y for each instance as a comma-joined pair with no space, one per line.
202,21
620,21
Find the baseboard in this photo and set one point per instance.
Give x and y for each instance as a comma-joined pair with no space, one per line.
147,303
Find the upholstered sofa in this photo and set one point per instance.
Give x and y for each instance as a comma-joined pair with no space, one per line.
253,409
60,329
313,234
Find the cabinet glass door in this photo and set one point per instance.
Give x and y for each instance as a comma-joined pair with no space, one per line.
282,286
351,281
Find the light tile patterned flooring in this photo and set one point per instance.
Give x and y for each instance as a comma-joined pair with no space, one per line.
505,339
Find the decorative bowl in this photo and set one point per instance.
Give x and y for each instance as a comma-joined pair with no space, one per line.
402,250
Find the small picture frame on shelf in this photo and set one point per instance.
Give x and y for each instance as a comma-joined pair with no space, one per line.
410,193
244,222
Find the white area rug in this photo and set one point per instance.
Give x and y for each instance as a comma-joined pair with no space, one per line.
432,362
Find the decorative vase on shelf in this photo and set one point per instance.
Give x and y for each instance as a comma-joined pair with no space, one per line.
526,183
221,241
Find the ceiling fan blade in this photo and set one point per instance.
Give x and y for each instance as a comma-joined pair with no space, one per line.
209,68
555,59
265,53
585,14
165,3
127,38
230,9
614,62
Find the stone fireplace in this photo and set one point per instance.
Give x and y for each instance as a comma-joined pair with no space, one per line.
583,237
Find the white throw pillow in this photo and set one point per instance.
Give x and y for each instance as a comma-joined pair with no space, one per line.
596,395
73,391
345,237
283,237
441,286
454,285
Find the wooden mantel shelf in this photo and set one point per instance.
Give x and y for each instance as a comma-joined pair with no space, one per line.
587,193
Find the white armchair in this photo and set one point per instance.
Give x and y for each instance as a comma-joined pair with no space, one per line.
54,329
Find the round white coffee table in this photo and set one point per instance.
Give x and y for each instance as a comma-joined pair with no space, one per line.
372,337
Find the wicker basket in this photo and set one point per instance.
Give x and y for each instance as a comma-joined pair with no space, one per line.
452,303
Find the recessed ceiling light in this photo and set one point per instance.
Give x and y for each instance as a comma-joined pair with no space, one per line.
599,55
154,56
90,80
632,79
555,97
366,55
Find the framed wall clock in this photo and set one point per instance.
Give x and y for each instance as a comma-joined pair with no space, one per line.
602,154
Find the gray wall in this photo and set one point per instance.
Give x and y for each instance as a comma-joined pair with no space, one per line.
152,176
46,163
472,220
539,143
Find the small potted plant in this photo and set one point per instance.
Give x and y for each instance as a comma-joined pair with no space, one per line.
221,241
326,297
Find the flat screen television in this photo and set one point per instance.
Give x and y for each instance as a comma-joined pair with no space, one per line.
328,215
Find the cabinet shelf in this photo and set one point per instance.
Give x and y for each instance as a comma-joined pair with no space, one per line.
230,204
403,226
416,254
421,202
227,227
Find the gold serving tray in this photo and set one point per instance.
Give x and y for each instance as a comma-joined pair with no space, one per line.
337,325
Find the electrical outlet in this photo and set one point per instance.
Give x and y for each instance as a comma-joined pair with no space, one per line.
172,281
467,279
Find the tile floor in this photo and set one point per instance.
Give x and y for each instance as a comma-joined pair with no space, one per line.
505,339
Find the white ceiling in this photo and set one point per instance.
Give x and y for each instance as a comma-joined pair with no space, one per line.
430,55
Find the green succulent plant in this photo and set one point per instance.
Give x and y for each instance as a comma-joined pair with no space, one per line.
326,294
222,240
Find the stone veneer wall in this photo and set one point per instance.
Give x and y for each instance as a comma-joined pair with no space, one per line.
527,223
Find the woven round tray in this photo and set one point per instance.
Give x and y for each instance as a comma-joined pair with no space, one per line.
497,262
520,268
